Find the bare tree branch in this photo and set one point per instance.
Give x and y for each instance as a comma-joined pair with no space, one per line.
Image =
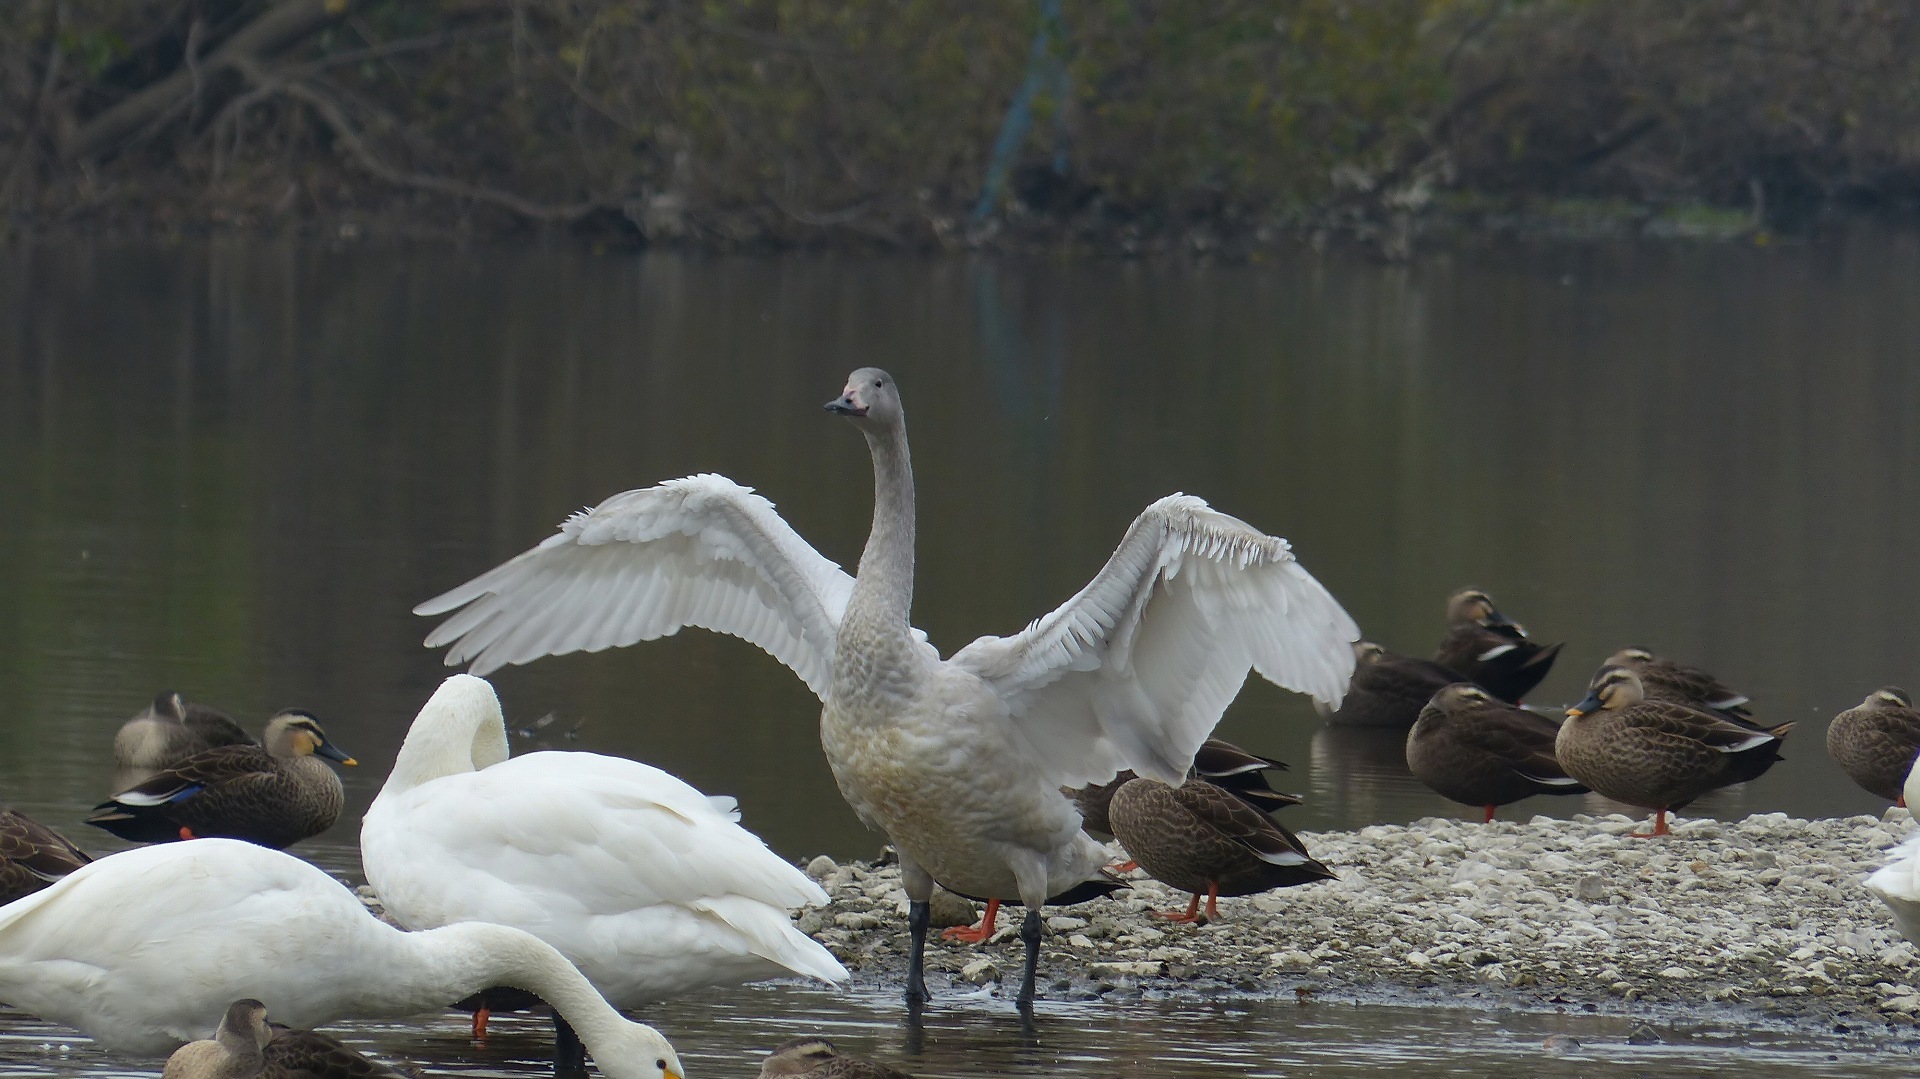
349,137
280,27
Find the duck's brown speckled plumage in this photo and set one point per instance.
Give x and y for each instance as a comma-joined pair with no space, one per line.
1875,741
1198,834
1491,650
1481,751
168,732
1658,754
32,855
1219,762
1389,689
1665,680
310,1054
816,1058
273,796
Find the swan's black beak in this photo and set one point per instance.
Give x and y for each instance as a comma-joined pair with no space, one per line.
843,406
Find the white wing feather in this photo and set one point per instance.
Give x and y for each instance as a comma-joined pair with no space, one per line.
700,551
1136,669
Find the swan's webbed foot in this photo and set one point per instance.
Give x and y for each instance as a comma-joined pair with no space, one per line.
919,914
1029,934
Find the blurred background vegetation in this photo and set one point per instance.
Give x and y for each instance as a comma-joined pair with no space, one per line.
931,123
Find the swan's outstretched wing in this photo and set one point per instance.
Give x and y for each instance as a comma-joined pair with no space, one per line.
701,551
1135,670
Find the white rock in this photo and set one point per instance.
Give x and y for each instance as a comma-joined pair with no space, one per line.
982,971
1129,970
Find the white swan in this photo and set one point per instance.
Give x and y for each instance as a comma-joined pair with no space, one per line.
959,761
1898,882
146,949
642,881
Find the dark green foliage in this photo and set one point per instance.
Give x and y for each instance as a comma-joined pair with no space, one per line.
788,120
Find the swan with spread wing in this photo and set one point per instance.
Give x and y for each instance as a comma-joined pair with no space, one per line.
959,761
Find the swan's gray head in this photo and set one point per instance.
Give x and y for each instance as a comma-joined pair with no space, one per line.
869,397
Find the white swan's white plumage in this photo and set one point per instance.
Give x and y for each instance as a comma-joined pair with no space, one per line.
1135,670
960,762
145,949
1898,882
647,885
1898,885
1097,684
700,551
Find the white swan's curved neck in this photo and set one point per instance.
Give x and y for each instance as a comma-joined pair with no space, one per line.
882,597
457,960
448,740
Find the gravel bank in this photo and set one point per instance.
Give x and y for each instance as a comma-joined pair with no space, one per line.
1764,915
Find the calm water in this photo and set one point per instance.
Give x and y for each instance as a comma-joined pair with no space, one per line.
233,469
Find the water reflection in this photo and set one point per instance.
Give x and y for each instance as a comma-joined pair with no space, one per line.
725,1034
232,468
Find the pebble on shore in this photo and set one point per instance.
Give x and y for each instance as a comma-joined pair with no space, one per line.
1766,911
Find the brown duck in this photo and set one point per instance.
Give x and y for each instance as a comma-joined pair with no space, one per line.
1476,749
32,855
816,1058
1204,839
1388,689
1490,649
1657,754
1219,762
247,1047
168,732
1875,742
1666,680
274,795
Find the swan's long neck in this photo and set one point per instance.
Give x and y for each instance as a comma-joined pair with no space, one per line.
450,736
458,960
882,597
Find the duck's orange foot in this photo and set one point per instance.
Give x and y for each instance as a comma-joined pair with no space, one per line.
1191,914
187,833
480,1017
1659,827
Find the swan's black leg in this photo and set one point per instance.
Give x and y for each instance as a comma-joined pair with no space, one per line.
1029,933
569,1054
919,914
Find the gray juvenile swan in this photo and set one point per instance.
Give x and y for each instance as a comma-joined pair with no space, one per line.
959,761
